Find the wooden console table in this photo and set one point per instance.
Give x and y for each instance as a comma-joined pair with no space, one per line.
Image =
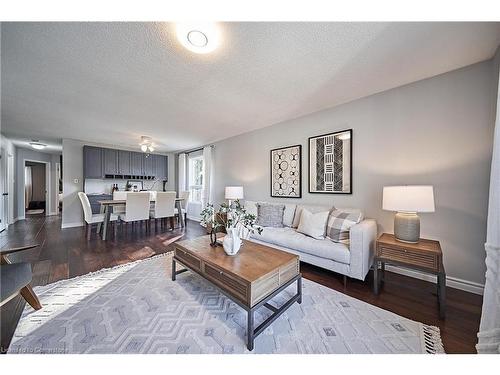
425,256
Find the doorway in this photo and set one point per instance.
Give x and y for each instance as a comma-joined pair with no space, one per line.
35,188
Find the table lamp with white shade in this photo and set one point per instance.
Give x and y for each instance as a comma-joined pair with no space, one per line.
233,193
407,201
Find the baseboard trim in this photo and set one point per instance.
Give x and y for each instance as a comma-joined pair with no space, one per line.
19,218
194,218
72,225
452,282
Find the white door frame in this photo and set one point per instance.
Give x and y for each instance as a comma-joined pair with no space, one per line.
12,186
4,188
48,195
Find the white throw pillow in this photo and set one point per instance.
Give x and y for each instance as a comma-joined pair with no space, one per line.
251,207
311,208
313,225
289,214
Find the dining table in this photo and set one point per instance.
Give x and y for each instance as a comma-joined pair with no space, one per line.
107,204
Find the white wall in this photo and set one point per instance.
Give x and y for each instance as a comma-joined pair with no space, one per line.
72,214
437,131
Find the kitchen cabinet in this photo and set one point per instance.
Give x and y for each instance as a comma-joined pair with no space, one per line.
101,162
149,165
136,168
92,162
124,162
94,201
161,167
110,161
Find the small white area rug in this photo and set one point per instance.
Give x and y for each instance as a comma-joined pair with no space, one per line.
35,212
136,308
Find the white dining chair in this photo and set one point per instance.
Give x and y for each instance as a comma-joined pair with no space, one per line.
91,218
119,209
164,207
184,195
136,208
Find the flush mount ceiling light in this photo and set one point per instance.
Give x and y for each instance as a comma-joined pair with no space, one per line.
37,145
147,144
198,38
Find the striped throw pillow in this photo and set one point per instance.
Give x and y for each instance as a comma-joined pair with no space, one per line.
340,222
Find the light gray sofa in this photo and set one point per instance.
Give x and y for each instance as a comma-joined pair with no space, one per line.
353,261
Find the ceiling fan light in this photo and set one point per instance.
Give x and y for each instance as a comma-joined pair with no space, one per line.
151,148
37,146
144,148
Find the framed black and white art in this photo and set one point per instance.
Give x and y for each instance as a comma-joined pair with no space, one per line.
286,174
330,163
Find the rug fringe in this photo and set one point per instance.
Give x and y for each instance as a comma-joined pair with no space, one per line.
432,339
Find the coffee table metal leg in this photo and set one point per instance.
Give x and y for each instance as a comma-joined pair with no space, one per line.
173,270
299,289
250,330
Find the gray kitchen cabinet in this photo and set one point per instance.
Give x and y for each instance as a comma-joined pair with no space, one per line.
136,168
110,161
161,167
92,162
124,162
149,165
94,201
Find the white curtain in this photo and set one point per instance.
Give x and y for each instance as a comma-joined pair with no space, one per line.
489,330
182,173
28,186
207,193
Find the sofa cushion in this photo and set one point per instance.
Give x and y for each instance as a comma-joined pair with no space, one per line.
289,238
251,207
313,225
288,214
270,215
311,208
340,222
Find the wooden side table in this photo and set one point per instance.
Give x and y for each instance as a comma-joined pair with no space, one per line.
425,256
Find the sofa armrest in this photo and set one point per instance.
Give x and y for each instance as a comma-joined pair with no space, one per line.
362,246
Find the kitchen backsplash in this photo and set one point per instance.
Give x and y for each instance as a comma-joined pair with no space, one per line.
97,186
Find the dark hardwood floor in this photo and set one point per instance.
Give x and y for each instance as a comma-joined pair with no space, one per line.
66,253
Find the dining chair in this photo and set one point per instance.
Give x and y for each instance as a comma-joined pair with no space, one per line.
119,196
15,279
91,218
137,208
184,195
164,207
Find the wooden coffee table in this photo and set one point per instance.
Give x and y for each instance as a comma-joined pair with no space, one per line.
250,278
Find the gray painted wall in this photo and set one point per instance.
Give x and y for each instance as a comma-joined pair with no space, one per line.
437,131
23,154
72,214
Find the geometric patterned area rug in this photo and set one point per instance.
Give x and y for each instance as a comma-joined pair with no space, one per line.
136,308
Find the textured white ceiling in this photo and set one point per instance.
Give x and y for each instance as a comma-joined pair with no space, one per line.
113,82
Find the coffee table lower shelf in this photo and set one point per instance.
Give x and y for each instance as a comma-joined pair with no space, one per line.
252,332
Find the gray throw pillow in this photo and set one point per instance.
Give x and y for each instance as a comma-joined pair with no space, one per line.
270,215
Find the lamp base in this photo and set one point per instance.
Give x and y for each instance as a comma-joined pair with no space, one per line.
407,227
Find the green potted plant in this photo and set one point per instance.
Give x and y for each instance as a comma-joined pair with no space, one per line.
231,217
